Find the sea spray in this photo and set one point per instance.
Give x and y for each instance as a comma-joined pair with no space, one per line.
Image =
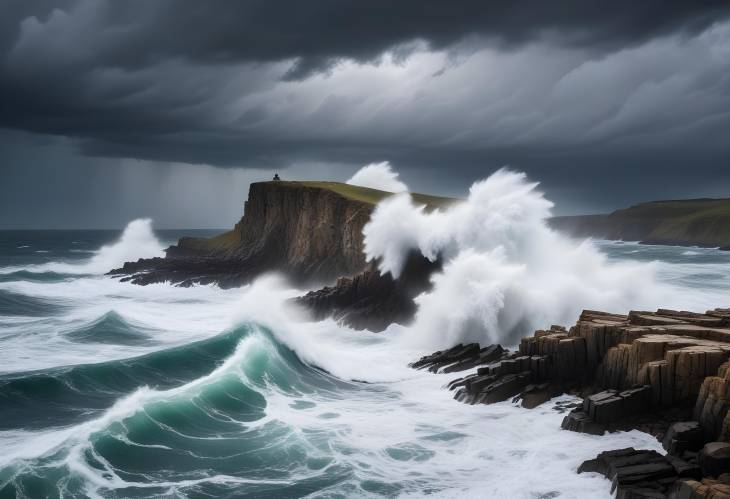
505,271
260,421
341,351
378,176
137,241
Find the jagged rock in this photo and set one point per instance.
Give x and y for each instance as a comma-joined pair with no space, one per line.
491,388
713,402
579,421
714,458
683,436
459,358
639,473
486,355
372,300
678,354
643,370
602,409
536,394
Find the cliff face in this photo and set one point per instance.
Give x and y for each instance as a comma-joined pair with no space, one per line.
693,222
310,234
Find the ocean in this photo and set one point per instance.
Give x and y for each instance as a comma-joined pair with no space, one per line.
109,389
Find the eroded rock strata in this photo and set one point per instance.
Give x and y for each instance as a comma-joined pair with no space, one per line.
309,234
665,372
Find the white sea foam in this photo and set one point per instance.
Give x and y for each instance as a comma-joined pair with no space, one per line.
378,176
175,315
137,241
502,268
505,272
392,432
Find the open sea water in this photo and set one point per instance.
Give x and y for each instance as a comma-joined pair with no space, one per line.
109,389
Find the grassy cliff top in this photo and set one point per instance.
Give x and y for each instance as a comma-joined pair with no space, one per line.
230,240
701,222
677,208
371,196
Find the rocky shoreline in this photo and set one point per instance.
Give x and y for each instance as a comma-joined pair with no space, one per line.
311,233
665,372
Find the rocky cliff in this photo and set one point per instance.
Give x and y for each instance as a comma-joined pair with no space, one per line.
309,233
665,372
312,233
692,222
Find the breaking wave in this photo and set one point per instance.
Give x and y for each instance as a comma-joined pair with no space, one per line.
137,241
505,271
241,415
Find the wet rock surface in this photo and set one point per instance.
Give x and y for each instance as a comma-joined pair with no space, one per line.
372,300
309,234
665,372
640,473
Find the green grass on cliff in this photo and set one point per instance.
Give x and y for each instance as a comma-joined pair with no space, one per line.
373,196
701,222
704,221
229,241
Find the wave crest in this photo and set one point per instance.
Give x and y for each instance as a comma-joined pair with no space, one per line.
137,241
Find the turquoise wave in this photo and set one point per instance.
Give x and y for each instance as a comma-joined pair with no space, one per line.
183,422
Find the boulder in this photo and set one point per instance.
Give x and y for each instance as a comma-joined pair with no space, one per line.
639,473
683,436
714,458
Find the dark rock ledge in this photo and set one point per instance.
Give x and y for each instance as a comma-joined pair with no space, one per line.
666,373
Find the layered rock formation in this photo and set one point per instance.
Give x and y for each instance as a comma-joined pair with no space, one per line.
310,234
665,372
638,474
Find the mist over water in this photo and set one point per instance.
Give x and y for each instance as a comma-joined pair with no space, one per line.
108,389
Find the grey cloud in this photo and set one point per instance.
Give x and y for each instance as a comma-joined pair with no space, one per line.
217,82
576,93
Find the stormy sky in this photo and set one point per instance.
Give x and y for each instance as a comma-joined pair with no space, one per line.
111,110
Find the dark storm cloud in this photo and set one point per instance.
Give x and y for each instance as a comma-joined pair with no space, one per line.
153,79
135,34
567,91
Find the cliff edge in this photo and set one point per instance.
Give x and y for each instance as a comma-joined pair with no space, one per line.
311,232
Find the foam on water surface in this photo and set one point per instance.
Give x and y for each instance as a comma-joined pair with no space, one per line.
158,390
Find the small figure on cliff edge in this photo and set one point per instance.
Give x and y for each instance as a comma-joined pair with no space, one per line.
276,176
